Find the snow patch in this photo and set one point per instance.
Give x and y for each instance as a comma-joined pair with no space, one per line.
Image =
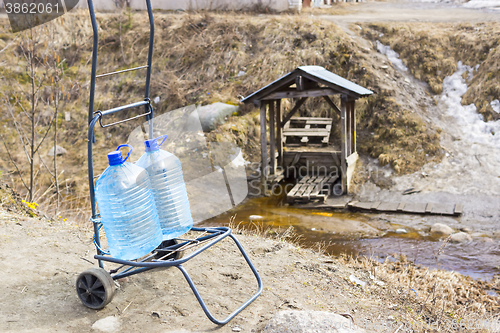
476,130
492,4
495,105
392,55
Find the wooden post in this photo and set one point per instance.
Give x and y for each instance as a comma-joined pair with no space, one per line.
272,138
343,152
353,126
263,147
348,128
279,132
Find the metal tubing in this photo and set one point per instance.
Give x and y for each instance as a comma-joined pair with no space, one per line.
241,307
130,272
122,71
94,60
150,62
90,140
124,107
218,238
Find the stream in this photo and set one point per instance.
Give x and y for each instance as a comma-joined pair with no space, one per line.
371,235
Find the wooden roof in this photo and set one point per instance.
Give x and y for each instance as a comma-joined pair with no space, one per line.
309,81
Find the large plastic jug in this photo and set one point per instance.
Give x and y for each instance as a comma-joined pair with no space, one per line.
128,212
169,190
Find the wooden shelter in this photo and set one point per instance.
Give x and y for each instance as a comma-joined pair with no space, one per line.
298,85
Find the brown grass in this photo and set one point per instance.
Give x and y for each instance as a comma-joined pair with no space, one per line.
197,58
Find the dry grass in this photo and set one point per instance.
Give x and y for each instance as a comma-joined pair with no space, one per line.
197,58
431,53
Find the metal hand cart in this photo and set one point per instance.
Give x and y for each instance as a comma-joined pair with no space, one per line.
95,287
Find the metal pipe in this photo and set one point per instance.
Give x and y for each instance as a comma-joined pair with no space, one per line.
91,183
94,60
122,71
124,107
150,63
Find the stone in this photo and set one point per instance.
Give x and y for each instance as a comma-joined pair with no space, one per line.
439,230
108,324
465,229
255,218
461,237
401,231
294,321
58,150
213,115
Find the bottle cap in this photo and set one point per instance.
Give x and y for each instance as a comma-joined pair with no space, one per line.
116,157
152,144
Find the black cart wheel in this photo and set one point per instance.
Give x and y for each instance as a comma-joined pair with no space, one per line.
95,287
174,255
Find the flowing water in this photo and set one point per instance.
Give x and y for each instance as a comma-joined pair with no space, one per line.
370,235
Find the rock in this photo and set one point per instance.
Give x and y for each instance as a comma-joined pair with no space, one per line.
439,230
465,229
59,151
213,115
401,231
236,329
255,218
294,321
355,280
460,237
108,324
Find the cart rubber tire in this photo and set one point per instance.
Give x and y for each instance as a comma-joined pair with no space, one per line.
176,255
95,288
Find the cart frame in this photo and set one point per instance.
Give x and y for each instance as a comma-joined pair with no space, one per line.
167,255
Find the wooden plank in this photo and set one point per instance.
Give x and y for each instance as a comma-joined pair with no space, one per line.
306,133
332,179
459,209
362,205
443,209
343,164
326,138
375,205
272,137
263,147
304,179
307,128
296,159
294,109
293,93
332,105
388,207
428,208
316,190
348,129
310,119
294,190
418,208
401,206
308,190
354,126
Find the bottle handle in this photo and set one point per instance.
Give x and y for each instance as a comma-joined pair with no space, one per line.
129,152
164,138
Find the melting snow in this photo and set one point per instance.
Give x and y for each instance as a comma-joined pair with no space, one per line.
392,55
476,130
495,105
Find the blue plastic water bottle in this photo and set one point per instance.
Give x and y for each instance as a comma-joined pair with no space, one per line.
128,212
169,190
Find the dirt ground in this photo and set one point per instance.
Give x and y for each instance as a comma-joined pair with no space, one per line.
40,262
